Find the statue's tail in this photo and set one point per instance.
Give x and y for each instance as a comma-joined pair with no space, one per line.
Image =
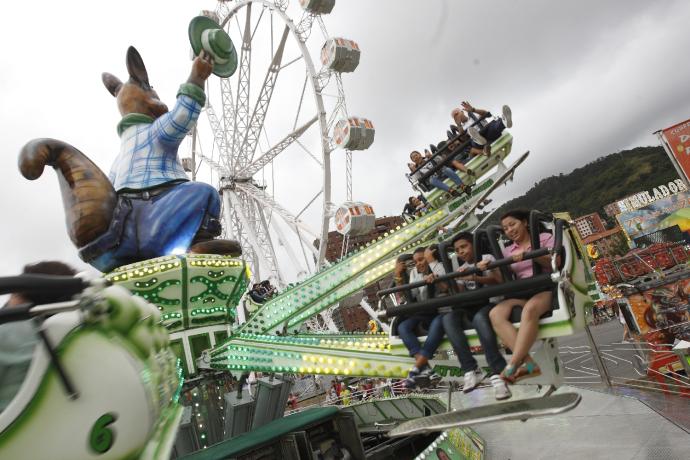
87,195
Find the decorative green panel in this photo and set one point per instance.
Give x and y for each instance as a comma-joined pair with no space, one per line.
190,290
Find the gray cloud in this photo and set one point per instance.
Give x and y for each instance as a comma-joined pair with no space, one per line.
584,79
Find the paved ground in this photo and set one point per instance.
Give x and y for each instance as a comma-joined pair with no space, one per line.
603,426
620,422
620,358
626,369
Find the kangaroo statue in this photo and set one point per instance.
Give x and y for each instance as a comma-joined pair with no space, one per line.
146,207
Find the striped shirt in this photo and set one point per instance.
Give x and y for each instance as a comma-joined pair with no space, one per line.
148,149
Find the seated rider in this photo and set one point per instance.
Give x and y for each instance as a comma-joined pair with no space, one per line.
18,339
459,156
422,271
257,293
515,225
477,318
415,206
269,289
483,133
436,179
455,162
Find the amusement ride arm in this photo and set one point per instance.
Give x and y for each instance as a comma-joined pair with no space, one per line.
330,285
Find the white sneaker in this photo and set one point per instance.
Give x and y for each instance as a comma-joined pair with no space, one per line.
472,379
501,390
475,136
507,116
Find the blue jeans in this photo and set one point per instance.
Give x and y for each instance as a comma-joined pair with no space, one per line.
161,225
454,324
491,131
406,331
445,172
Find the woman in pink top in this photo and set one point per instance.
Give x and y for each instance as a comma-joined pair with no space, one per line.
515,226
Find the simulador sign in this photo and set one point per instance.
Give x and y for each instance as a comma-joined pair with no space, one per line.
676,139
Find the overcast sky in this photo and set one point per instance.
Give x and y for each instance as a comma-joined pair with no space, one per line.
584,79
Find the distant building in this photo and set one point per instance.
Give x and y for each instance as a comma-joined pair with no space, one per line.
612,209
609,243
590,224
353,317
334,248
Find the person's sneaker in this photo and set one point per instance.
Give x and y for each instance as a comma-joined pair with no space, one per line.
467,189
411,380
472,379
507,116
427,377
475,136
501,390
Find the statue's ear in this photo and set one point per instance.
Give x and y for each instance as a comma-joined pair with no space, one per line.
112,83
136,67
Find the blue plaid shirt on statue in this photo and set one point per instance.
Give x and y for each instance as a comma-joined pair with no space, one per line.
148,152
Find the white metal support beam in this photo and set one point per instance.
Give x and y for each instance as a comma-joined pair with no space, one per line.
243,211
242,102
228,119
372,314
267,246
256,122
288,248
263,198
274,151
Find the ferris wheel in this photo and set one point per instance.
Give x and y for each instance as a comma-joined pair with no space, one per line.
274,125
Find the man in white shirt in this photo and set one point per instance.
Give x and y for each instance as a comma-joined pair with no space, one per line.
455,322
484,132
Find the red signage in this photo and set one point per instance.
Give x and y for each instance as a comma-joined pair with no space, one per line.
677,138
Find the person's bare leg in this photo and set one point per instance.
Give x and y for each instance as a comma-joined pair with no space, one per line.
529,325
474,151
500,320
459,166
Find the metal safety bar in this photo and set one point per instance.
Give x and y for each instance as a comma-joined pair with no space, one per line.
471,271
44,285
467,298
470,298
557,249
29,310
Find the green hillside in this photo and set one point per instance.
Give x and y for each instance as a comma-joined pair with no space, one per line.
590,188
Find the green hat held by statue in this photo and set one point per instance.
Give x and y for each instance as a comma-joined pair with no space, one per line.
205,34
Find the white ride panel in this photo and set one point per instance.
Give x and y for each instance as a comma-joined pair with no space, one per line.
355,133
354,218
340,54
318,6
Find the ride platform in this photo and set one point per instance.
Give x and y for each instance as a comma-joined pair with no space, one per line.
603,425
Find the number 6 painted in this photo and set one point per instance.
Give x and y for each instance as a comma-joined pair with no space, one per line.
101,438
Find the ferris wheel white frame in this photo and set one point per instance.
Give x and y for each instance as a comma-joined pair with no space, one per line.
236,135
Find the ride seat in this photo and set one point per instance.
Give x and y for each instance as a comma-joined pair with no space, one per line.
421,330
